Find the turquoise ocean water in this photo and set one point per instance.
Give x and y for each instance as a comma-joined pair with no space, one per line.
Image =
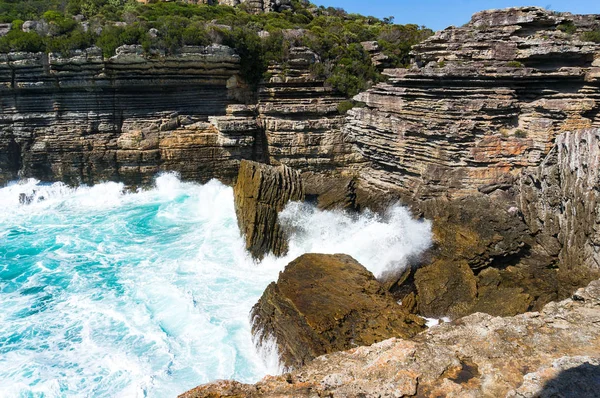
105,293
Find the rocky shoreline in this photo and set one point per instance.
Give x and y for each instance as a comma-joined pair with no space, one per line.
553,352
493,134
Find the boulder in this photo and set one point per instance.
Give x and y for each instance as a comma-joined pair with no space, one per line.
326,303
260,193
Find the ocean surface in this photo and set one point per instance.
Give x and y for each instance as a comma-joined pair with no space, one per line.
109,293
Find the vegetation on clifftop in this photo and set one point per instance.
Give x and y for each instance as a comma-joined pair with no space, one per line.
64,26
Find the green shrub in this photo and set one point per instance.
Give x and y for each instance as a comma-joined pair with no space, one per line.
568,27
330,32
593,36
514,64
17,40
196,34
520,133
109,40
17,24
345,106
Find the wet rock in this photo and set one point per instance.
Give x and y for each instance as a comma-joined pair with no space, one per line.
446,289
326,303
260,193
549,353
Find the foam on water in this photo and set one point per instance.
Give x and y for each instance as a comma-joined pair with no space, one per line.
107,293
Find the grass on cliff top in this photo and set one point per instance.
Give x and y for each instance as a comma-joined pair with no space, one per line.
67,25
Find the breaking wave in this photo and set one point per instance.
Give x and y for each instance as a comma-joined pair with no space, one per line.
109,293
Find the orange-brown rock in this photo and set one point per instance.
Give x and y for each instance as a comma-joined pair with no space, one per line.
551,353
325,303
260,193
480,103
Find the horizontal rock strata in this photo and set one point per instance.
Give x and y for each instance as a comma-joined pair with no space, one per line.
325,303
481,102
85,119
300,117
549,353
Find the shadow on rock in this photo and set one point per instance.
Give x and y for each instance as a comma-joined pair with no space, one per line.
578,382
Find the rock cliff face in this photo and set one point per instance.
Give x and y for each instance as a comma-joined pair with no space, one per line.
481,102
481,105
261,192
549,353
300,118
560,201
84,119
325,303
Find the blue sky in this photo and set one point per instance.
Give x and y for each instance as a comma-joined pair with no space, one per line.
438,14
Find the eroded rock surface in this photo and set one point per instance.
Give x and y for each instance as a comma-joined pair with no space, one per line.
560,201
554,352
260,193
480,103
325,303
85,119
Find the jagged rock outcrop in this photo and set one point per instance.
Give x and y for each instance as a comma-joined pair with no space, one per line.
452,134
480,261
325,303
86,119
260,193
560,201
549,353
480,103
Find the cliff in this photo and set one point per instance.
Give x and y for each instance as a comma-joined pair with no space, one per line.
480,103
465,136
491,134
85,119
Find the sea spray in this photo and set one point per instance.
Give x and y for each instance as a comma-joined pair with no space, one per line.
382,243
105,292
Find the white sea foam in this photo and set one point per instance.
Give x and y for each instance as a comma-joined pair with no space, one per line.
110,293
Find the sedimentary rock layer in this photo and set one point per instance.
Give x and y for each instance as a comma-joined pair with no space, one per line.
480,103
85,118
553,352
300,117
260,193
325,303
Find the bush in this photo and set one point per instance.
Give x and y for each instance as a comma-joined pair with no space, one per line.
514,64
17,40
593,36
568,27
330,32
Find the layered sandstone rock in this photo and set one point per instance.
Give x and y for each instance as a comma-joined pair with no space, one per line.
300,117
325,303
549,353
452,135
260,193
480,103
85,119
